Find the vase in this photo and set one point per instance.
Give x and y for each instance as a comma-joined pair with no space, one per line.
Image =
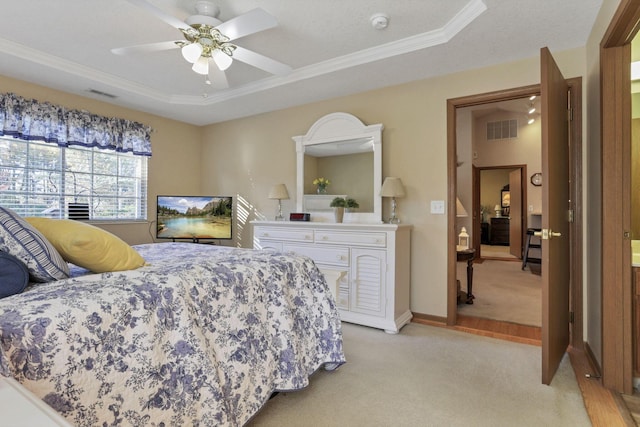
321,189
339,214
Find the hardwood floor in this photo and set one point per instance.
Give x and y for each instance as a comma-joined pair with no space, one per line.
605,408
500,329
633,405
492,328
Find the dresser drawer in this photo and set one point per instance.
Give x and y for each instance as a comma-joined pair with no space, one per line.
322,254
289,234
351,238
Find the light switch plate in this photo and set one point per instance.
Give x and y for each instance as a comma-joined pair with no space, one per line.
437,207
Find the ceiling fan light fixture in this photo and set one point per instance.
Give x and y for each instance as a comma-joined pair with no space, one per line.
201,66
191,52
222,60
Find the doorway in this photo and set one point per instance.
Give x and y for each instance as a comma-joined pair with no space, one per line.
501,192
575,193
616,288
497,143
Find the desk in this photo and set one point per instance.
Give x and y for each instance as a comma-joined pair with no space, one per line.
467,255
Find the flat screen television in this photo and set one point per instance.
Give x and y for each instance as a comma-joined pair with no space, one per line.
194,217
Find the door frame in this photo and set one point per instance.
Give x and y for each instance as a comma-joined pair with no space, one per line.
615,141
575,172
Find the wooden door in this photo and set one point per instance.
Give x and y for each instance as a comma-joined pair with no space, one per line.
515,213
555,222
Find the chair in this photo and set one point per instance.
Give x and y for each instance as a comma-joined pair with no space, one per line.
528,245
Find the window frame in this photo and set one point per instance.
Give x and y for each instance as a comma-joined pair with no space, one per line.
54,182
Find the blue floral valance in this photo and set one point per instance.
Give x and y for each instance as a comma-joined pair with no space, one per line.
30,119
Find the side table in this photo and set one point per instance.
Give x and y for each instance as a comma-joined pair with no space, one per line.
467,255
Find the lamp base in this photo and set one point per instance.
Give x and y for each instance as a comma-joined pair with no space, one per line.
279,216
394,219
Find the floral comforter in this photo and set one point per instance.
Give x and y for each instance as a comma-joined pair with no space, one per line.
202,336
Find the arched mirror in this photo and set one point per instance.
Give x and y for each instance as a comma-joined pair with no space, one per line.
340,148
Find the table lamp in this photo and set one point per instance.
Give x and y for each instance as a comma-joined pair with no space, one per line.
461,212
279,192
392,187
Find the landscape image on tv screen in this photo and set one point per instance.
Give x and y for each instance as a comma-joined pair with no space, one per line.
194,217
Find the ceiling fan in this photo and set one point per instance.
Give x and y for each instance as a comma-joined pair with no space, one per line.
207,41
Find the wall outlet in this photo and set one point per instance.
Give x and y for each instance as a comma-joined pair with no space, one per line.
437,207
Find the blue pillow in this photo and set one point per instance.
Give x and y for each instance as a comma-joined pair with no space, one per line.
14,275
22,240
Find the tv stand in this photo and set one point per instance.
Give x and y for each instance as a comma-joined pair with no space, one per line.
196,240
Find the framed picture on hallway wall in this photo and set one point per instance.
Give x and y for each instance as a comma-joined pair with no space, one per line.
506,198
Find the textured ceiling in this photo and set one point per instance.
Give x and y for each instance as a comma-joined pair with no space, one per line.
330,44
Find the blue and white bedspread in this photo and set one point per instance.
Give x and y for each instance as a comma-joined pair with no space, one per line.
201,337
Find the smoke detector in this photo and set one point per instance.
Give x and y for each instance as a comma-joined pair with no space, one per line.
379,21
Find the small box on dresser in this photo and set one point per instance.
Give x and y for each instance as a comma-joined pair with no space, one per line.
366,265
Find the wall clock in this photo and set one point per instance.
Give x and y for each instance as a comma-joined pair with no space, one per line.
536,179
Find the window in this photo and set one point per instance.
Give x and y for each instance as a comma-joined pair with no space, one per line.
43,179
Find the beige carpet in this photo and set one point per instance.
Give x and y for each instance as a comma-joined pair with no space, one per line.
504,292
496,251
430,376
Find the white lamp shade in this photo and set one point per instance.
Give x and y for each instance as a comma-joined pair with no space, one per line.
222,60
192,52
460,210
279,191
201,66
392,187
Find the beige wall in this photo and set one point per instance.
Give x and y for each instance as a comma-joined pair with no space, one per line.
174,168
474,149
244,158
247,156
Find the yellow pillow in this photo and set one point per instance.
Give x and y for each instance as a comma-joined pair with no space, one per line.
88,246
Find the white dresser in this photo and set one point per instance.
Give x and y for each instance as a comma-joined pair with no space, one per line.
366,265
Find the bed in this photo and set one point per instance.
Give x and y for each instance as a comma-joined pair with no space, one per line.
200,335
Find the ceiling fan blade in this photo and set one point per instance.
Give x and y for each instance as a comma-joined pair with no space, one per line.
217,77
260,61
144,48
159,13
247,23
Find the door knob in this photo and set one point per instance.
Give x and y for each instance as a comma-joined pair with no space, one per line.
546,234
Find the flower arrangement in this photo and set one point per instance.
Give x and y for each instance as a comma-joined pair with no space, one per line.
321,184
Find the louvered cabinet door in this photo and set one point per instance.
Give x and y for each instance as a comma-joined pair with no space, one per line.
367,281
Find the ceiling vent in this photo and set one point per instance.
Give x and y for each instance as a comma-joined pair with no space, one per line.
502,129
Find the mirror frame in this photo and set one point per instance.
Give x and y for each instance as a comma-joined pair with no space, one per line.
336,127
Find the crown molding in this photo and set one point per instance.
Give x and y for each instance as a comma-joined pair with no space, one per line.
461,20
